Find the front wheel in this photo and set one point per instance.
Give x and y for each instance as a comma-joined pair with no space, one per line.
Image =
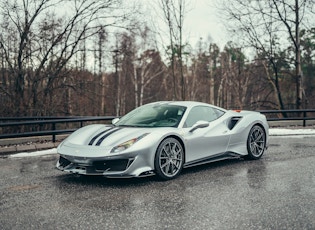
169,159
256,142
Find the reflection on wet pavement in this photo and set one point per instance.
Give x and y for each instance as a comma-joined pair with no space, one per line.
276,192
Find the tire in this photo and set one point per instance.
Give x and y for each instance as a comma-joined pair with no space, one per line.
256,142
169,159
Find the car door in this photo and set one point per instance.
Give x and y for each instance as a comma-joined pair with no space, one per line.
208,141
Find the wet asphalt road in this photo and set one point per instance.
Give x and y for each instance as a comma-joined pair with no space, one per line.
276,192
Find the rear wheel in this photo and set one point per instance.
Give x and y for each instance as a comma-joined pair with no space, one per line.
169,159
256,142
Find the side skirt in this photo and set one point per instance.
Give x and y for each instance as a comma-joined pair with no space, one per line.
214,158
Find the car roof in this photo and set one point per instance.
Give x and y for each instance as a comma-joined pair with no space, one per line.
188,104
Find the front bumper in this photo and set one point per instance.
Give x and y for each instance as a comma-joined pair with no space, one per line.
124,165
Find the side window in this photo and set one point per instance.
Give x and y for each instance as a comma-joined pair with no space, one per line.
203,113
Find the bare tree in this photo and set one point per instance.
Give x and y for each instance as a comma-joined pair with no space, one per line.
138,67
148,65
151,67
199,74
174,12
266,25
213,59
166,7
47,41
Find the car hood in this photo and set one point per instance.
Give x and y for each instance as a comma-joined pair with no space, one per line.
107,135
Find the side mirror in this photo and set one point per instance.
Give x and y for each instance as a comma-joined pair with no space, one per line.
199,125
115,120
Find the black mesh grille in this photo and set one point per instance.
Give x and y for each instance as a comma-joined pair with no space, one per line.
63,161
112,165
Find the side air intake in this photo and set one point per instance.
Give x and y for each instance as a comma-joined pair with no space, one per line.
233,121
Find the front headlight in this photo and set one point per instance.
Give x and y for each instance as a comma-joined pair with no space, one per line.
127,144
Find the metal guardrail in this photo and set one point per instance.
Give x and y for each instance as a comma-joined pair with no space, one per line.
282,115
300,115
31,121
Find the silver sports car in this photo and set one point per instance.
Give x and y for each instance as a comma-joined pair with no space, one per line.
162,138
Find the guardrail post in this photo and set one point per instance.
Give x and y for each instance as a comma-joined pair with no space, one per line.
304,116
54,135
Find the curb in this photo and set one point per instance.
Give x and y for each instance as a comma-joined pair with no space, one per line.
32,147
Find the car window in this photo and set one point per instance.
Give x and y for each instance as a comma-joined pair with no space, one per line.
202,113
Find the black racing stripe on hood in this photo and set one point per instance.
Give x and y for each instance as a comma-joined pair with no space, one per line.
106,135
98,135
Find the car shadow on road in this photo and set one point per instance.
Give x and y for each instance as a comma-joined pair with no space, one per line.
211,166
103,181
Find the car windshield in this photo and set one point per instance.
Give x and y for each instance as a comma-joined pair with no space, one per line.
153,115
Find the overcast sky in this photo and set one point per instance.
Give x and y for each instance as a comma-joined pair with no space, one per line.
201,20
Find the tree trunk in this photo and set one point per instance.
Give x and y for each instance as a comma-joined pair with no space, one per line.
298,70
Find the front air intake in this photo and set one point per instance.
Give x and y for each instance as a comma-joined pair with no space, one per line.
112,165
63,162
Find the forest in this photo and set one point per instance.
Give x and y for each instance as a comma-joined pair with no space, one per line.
105,57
